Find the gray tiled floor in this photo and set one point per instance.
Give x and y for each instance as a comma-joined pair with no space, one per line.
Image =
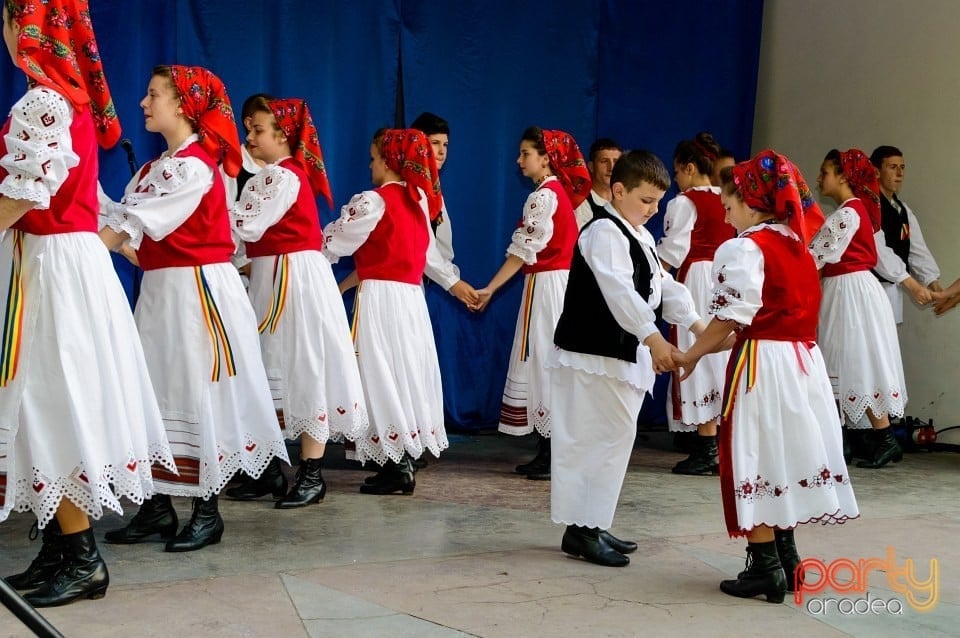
473,552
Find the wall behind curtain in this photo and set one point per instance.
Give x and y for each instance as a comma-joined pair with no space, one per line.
647,74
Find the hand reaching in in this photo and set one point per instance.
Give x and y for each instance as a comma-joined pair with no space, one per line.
942,302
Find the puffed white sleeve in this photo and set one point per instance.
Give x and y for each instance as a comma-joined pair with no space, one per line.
677,302
922,263
678,224
266,198
438,268
39,147
834,237
738,281
165,197
537,226
358,218
607,254
889,265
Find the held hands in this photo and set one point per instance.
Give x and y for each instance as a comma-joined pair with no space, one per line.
942,302
662,353
921,295
465,293
483,298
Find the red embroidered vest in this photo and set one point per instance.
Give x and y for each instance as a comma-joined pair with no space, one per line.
709,230
791,290
396,250
204,238
861,254
75,206
558,253
298,229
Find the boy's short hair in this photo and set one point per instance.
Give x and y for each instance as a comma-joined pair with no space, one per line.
883,152
430,124
602,144
635,167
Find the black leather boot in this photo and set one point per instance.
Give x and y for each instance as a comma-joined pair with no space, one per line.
702,460
789,558
272,481
309,488
539,468
847,446
763,575
398,478
155,516
205,527
624,547
587,543
46,564
387,468
886,450
540,465
83,573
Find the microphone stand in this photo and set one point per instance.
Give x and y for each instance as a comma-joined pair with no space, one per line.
25,612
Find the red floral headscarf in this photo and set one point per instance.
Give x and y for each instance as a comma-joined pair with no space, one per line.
770,182
204,101
568,165
408,152
862,176
56,48
294,120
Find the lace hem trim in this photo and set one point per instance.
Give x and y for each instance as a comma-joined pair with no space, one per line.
344,423
392,444
42,494
855,405
252,463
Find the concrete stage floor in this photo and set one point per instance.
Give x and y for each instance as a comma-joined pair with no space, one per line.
473,553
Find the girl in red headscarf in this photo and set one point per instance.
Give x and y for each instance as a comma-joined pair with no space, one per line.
781,455
693,229
304,333
79,423
198,329
858,331
387,230
542,246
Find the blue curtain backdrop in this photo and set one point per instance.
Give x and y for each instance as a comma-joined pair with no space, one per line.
645,73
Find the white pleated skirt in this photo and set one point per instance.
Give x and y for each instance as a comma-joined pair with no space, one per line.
698,399
860,344
78,415
307,350
594,426
200,340
400,372
781,453
526,402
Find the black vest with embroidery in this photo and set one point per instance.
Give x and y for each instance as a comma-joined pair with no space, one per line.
586,324
894,222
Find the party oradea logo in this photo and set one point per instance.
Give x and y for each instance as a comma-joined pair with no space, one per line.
850,577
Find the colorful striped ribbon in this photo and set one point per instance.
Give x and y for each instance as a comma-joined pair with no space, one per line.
527,309
222,352
744,362
13,315
281,280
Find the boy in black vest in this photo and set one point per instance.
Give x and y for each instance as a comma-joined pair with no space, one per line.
616,293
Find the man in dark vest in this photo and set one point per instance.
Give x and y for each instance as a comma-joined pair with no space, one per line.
906,262
604,153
